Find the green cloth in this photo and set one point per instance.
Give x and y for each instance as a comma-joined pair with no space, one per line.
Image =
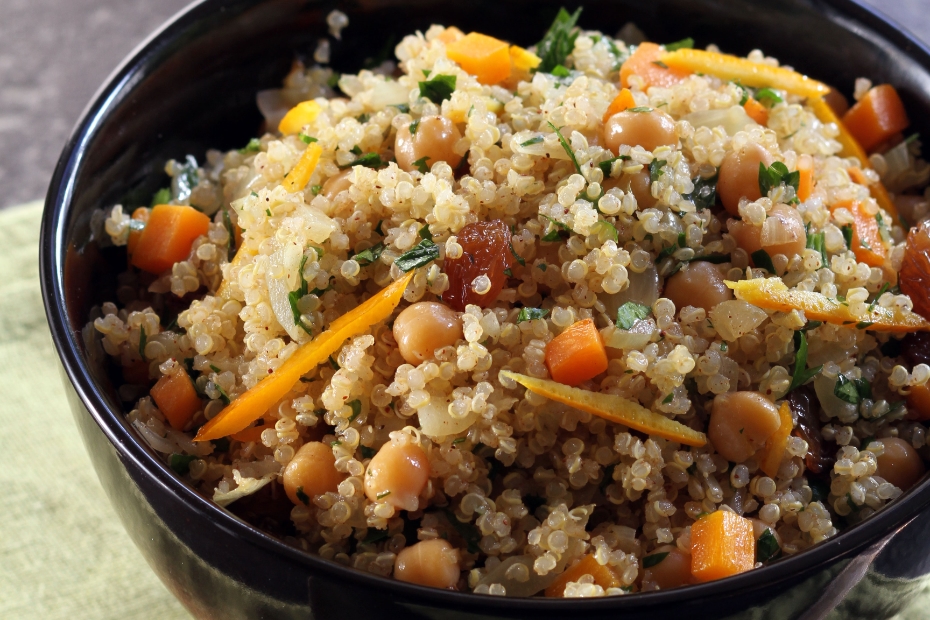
63,551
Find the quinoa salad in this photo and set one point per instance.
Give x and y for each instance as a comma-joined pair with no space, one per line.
588,318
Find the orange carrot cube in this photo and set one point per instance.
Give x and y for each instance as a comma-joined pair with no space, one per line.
722,544
603,576
876,117
168,236
577,354
176,398
487,58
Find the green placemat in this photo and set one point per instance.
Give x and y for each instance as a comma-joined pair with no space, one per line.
63,552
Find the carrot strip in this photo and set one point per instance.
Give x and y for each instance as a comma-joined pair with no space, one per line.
722,544
176,397
645,62
603,576
747,72
168,236
577,354
487,58
806,180
876,117
757,111
623,101
772,294
773,453
297,117
140,215
867,243
612,408
255,402
300,174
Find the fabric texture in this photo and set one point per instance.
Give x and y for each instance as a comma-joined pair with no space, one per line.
63,551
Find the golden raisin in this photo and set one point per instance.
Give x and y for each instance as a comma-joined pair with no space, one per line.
485,252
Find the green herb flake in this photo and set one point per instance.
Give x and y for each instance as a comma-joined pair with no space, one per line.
532,141
421,164
775,175
367,452
848,235
631,313
438,89
254,146
816,242
227,223
912,138
607,166
560,71
425,233
268,212
655,169
316,189
162,196
421,254
608,229
520,259
864,324
142,339
542,266
181,463
878,295
375,536
558,229
846,390
724,347
223,395
382,495
762,260
305,138
704,194
508,272
215,369
369,160
686,43
651,560
767,96
668,399
641,109
363,118
333,80
802,374
333,363
356,406
531,314
414,126
767,547
566,146
304,499
558,42
458,440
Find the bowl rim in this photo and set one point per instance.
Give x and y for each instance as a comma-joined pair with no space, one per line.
852,15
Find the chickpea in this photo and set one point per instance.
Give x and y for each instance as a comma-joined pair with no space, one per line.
312,472
699,285
636,183
433,563
740,423
673,571
646,129
424,327
739,176
397,474
900,464
782,233
434,139
337,184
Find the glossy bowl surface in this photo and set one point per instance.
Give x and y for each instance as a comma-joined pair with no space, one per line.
191,86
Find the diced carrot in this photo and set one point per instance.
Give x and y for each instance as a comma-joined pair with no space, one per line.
722,544
140,215
176,398
168,236
806,180
876,117
747,72
867,243
645,62
612,408
256,401
450,35
603,576
522,59
773,453
757,111
623,101
300,174
918,403
253,433
772,294
487,58
577,354
297,117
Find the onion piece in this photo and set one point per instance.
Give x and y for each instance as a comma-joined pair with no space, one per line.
732,119
244,487
735,318
287,259
533,585
643,289
642,333
435,419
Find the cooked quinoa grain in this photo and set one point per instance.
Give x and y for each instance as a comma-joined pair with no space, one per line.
606,218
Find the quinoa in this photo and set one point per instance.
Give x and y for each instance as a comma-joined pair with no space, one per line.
526,486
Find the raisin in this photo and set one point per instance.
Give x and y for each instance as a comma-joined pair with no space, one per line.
914,278
915,347
819,458
485,251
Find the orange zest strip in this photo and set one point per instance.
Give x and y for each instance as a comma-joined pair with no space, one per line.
623,101
300,174
612,408
301,114
603,576
757,111
645,61
775,447
806,180
867,242
772,294
255,402
747,72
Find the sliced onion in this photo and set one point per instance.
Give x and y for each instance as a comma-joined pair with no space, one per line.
272,105
642,333
732,119
776,231
643,289
157,443
833,406
385,93
244,487
435,419
287,257
535,584
736,318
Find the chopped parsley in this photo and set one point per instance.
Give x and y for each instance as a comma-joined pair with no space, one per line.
659,63
363,118
704,194
215,369
558,42
315,189
227,222
651,560
414,126
558,229
852,391
519,258
878,295
816,242
402,107
162,196
655,169
686,43
767,547
762,259
802,374
640,109
764,95
254,146
295,296
367,452
606,227
631,313
531,314
333,363
532,141
560,71
775,175
425,233
421,254
458,440
223,395
566,146
382,495
181,463
669,398
607,165
438,89
305,138
356,406
421,164
369,160
142,339
303,496
848,235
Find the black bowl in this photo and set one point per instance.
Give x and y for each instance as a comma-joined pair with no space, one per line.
191,86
